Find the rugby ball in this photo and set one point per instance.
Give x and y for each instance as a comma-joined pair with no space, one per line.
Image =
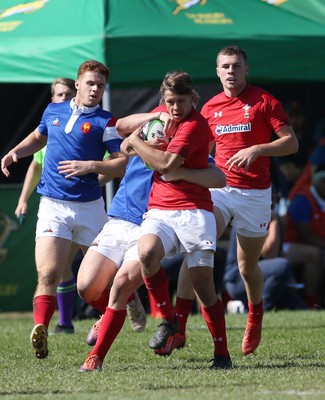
154,130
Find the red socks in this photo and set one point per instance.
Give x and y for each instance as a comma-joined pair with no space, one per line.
43,309
111,324
214,317
255,313
157,285
182,310
102,302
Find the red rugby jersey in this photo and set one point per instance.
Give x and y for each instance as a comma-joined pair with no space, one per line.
241,122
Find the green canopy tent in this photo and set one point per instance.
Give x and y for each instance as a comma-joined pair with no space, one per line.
142,39
284,42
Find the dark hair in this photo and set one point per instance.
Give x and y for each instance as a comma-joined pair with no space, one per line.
178,82
232,50
93,66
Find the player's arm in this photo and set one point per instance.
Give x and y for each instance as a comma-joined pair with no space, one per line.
162,161
285,144
32,178
128,150
112,167
211,177
30,145
125,126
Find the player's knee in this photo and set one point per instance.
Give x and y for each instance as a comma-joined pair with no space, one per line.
247,271
87,294
148,258
122,286
48,278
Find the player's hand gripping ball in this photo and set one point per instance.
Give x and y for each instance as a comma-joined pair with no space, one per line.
154,130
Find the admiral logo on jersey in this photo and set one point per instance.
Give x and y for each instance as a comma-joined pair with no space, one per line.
225,129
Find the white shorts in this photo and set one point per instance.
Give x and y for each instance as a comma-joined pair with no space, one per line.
118,241
79,222
192,232
247,210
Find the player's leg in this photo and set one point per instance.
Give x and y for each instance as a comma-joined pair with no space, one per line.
252,215
185,293
248,253
95,274
184,300
126,281
66,294
151,252
51,254
158,239
201,273
220,221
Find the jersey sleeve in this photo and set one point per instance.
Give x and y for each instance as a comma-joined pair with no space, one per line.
111,138
274,113
205,114
42,127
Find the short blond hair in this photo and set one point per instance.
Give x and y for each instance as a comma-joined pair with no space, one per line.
63,81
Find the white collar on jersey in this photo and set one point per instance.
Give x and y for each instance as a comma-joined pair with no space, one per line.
76,112
82,109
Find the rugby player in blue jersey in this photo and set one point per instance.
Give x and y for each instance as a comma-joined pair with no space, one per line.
71,209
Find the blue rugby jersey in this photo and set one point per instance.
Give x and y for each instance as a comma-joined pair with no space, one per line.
131,199
83,133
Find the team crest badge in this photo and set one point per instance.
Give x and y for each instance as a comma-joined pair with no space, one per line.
246,108
86,127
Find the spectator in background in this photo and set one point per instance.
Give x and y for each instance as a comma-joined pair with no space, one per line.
316,159
319,131
299,121
305,238
62,89
290,167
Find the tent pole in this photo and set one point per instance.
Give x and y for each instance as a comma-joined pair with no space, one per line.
109,186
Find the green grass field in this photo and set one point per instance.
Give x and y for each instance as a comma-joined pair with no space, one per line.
289,364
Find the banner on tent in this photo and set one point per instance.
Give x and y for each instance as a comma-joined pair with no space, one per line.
17,266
